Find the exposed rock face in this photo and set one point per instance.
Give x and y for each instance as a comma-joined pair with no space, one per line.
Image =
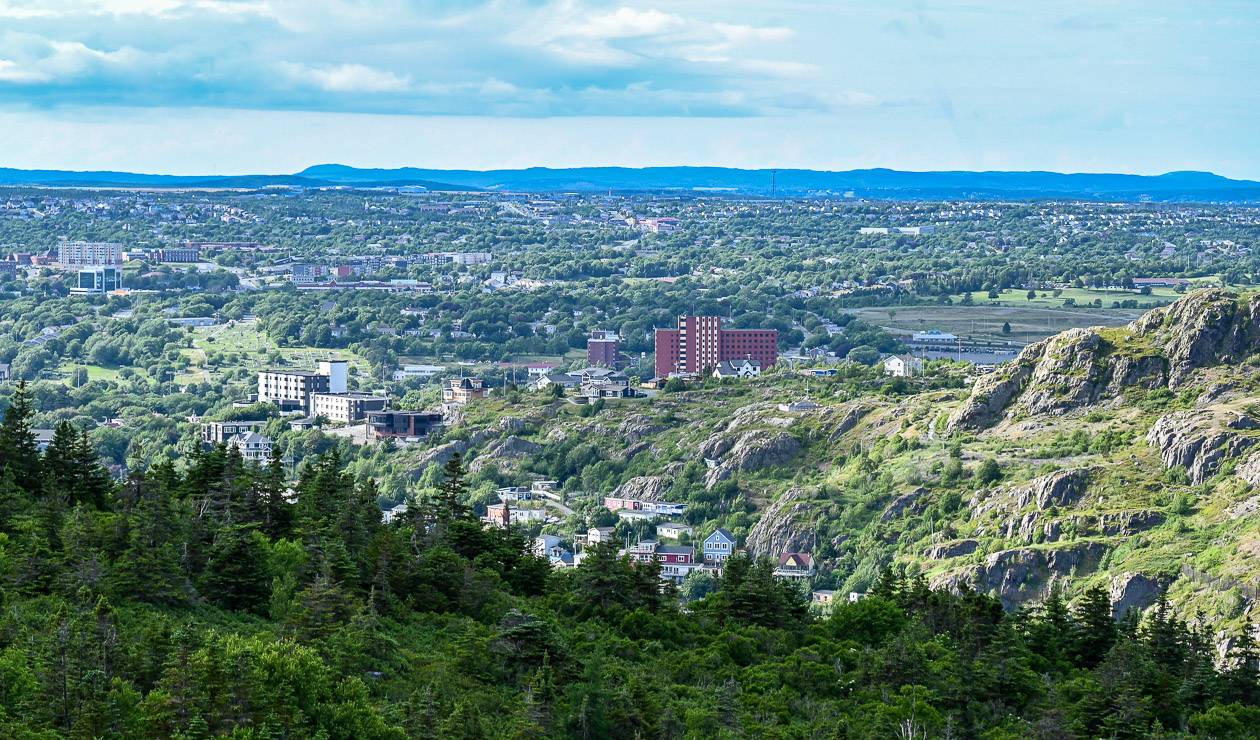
439,455
1133,591
1125,523
913,502
635,428
1250,470
786,526
1081,367
1025,575
508,448
992,393
716,446
643,487
1200,440
1060,488
1203,329
1067,371
953,549
840,420
753,450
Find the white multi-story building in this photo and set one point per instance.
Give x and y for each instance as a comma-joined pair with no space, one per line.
346,407
89,254
294,389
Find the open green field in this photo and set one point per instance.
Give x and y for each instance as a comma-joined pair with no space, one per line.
1082,296
97,372
984,320
244,346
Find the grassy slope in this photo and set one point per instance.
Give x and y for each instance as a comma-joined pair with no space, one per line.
848,481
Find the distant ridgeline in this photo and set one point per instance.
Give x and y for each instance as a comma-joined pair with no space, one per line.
870,183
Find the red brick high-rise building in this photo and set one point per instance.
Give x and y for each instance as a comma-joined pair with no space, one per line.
603,349
700,343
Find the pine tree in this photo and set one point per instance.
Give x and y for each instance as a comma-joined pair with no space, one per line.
18,450
1093,629
277,512
452,491
235,576
1241,679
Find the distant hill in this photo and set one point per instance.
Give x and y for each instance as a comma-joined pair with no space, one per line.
871,183
109,179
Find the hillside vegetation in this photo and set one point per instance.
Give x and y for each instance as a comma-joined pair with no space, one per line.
1116,457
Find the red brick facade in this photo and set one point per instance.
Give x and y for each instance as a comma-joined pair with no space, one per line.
700,343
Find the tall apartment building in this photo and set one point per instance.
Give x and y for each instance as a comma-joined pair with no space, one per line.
293,389
89,254
603,348
700,343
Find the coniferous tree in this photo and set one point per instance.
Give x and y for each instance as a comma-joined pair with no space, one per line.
1093,629
18,450
452,491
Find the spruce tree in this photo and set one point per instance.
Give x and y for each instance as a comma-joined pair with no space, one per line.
452,491
18,450
1093,629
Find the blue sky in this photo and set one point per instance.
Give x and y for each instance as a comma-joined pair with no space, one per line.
233,86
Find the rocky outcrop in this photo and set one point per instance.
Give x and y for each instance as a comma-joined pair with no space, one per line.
1125,523
954,549
1025,575
439,455
840,420
753,450
1250,470
1067,371
506,449
637,427
992,393
1203,329
914,502
1080,367
1244,508
1060,488
1133,591
715,446
643,487
786,526
1200,440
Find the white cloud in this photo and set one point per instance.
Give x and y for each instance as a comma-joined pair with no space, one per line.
29,59
347,78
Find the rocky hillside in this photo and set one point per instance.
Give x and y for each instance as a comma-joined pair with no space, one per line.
1126,456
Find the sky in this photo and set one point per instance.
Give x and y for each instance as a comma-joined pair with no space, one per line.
270,86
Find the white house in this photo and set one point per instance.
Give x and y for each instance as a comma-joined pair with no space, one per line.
737,369
673,530
252,446
902,366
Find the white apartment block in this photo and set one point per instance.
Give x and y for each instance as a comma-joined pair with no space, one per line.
89,254
346,408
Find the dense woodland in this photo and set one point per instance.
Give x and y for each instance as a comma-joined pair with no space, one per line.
219,598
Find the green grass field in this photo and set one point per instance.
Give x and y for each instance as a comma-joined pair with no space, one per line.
231,347
985,319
